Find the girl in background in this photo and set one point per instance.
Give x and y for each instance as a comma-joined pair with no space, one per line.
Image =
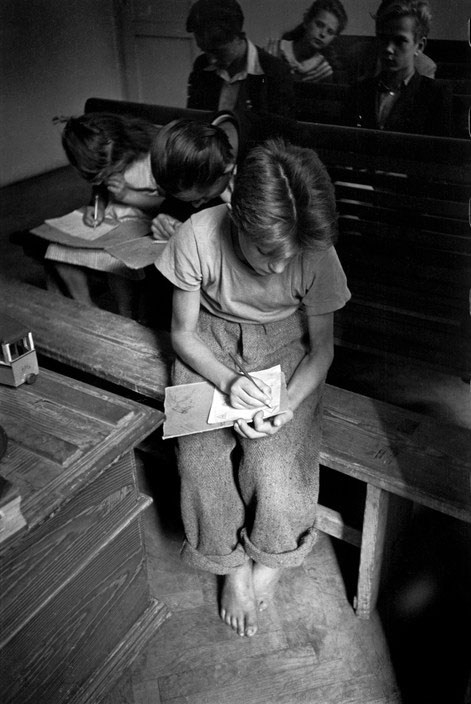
307,47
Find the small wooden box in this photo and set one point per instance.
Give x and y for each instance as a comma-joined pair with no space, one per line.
75,607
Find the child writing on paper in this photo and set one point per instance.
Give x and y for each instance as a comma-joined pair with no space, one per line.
260,281
112,153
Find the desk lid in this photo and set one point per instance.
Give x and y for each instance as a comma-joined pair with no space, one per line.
61,434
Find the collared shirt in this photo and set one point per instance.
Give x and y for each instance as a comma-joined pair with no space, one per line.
231,84
386,98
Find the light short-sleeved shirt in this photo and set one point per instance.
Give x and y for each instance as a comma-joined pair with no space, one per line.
201,256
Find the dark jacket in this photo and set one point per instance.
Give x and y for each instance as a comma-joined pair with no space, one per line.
272,92
423,107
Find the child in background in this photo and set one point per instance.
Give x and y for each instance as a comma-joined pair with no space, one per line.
112,153
370,63
260,281
307,47
399,98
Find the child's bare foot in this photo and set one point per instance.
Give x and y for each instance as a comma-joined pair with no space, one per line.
265,580
238,608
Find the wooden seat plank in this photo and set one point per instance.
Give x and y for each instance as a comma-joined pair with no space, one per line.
69,332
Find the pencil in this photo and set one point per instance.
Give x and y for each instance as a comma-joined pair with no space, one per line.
245,372
95,212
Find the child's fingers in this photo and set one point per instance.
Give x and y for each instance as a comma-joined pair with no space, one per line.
164,226
245,430
262,427
89,219
115,179
247,394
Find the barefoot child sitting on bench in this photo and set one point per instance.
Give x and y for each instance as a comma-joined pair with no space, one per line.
259,281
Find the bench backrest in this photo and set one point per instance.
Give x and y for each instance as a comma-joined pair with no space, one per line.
158,114
404,236
404,241
325,102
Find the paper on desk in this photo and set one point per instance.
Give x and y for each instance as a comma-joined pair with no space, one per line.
73,225
221,411
137,253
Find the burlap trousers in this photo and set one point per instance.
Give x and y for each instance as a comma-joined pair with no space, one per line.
242,498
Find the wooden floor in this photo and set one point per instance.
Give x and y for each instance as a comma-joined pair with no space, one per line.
310,648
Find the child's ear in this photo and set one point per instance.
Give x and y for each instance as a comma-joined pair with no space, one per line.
421,45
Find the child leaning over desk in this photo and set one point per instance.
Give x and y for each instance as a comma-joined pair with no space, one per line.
260,281
112,153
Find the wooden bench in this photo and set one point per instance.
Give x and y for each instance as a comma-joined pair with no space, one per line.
325,102
394,452
404,236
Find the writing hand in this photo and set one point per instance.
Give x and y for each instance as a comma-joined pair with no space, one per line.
243,393
89,215
262,427
164,226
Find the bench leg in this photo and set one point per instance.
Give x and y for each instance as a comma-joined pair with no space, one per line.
371,552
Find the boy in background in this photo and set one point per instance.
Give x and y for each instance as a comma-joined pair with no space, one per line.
399,98
232,73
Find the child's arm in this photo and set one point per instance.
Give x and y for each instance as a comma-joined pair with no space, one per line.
124,193
194,352
307,379
313,368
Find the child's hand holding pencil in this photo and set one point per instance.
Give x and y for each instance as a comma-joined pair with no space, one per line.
94,214
247,391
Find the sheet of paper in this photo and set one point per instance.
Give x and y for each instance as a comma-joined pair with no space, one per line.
138,253
221,411
73,225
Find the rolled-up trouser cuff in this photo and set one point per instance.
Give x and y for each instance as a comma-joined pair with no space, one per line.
217,564
293,558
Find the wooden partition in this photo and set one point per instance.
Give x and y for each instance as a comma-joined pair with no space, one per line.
404,241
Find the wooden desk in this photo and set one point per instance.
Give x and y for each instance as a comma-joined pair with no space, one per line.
75,607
